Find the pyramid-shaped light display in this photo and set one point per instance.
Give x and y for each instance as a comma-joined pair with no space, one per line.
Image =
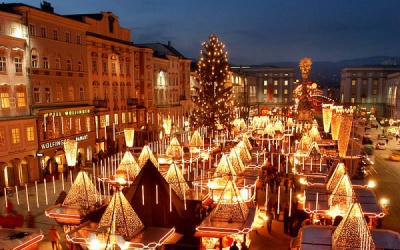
120,217
339,171
175,178
145,155
247,142
236,161
174,149
230,206
314,133
342,196
353,232
196,140
243,152
129,166
225,167
305,142
82,192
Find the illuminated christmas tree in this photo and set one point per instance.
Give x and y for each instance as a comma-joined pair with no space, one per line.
83,192
145,155
213,100
129,165
175,178
174,149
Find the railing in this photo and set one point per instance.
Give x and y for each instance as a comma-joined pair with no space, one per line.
100,103
132,101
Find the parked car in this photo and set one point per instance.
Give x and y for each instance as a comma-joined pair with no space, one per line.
394,156
380,145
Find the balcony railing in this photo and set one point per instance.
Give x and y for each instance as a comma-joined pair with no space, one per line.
100,103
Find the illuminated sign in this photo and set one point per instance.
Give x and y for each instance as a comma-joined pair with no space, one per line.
60,142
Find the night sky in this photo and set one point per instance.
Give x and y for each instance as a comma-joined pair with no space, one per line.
257,31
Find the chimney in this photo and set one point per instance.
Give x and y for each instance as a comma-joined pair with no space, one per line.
46,6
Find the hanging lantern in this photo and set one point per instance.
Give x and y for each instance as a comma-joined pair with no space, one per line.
327,116
167,126
129,136
70,148
336,121
344,136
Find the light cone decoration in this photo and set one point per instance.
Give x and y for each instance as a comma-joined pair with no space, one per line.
342,196
236,161
82,192
129,136
327,116
129,165
247,142
145,155
305,142
345,130
71,150
174,149
230,206
314,133
224,167
339,171
336,121
196,140
167,125
353,232
278,126
289,122
120,217
175,178
243,152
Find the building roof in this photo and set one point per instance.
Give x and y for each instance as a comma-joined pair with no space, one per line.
162,50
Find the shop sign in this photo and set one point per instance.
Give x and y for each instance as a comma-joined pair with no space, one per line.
60,142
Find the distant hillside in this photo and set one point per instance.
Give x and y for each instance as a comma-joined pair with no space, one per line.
328,73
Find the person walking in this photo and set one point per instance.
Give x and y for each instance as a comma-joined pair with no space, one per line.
286,219
234,246
269,221
54,237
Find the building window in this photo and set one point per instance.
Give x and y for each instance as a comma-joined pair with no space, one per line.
88,127
55,34
80,66
32,30
2,138
15,136
106,93
352,100
276,82
374,91
374,100
78,39
67,37
70,93
375,82
122,93
286,82
21,102
129,117
43,32
107,120
275,91
128,71
3,64
47,94
123,118
30,134
5,100
59,92
285,100
104,67
45,62
81,94
285,91
115,93
69,65
364,82
18,64
94,65
121,68
363,100
116,119
36,95
265,82
35,61
353,82
113,68
58,63
265,91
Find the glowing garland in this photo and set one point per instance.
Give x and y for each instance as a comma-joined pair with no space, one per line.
174,149
339,171
178,183
82,192
145,155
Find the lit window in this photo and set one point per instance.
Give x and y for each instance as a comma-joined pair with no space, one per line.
59,93
352,100
30,135
88,127
353,82
3,64
286,83
121,68
71,93
2,138
374,91
265,82
123,118
32,30
5,100
275,91
116,119
375,82
276,82
363,100
21,102
113,69
36,95
35,60
78,39
129,117
364,82
15,136
265,92
18,64
285,91
107,120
